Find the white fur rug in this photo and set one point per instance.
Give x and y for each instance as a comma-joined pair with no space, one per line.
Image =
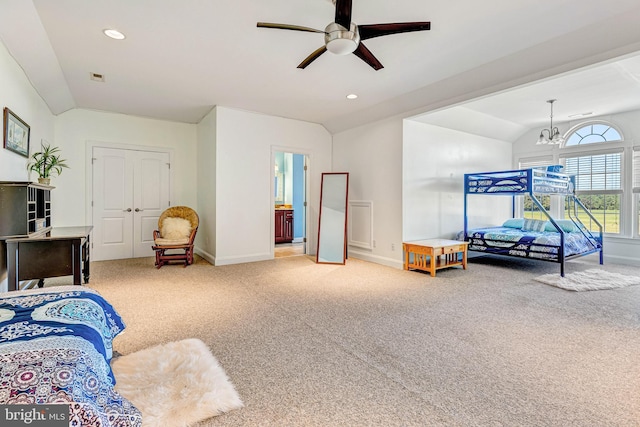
175,384
589,280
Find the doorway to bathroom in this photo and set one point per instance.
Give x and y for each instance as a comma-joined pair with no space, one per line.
290,200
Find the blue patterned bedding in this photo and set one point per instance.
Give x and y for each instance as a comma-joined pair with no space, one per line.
528,244
55,348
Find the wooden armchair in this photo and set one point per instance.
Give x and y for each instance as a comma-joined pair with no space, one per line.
173,240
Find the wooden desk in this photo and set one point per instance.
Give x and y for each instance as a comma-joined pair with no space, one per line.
434,254
62,251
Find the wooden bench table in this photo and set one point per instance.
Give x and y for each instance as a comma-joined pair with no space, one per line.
434,254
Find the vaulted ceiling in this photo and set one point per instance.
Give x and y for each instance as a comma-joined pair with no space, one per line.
594,91
180,58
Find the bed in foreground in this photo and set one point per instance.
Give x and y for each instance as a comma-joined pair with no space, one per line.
56,348
555,240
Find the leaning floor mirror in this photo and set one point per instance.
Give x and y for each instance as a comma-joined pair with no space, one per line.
332,225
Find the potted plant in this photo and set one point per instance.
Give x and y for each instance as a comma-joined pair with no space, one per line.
47,163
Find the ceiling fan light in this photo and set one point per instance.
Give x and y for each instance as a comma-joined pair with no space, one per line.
341,41
342,46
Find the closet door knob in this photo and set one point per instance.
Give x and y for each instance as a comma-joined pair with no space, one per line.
127,210
139,210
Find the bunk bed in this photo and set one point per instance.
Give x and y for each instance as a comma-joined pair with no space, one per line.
554,240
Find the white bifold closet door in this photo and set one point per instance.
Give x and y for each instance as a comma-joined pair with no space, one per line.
130,191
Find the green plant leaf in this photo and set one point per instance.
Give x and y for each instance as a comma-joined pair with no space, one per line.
47,163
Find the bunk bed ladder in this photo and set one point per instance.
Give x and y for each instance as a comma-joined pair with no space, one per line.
595,241
561,248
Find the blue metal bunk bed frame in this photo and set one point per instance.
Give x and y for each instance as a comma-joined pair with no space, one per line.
530,182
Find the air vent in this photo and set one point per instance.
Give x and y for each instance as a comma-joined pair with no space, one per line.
588,113
97,77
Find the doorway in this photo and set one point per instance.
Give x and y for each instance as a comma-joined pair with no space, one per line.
290,202
130,189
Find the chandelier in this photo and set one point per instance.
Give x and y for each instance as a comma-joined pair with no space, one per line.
553,134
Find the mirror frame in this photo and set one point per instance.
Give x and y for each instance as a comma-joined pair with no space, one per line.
337,234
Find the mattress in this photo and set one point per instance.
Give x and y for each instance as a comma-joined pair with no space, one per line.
528,244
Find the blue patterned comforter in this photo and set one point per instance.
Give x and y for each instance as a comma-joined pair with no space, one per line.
55,348
528,244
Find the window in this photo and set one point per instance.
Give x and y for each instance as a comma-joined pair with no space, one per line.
598,180
636,185
636,169
593,133
600,172
532,211
598,175
529,208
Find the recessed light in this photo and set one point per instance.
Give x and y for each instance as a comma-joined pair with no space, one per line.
352,96
114,34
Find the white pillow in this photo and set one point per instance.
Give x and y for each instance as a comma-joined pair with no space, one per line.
175,228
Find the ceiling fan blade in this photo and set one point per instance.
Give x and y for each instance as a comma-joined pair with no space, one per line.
309,59
288,27
365,54
343,13
377,30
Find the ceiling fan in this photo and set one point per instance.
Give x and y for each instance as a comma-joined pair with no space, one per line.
343,36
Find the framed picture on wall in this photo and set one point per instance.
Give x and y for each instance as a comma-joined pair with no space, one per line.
16,133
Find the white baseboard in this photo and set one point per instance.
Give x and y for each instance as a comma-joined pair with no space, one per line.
621,260
365,256
206,255
242,259
231,260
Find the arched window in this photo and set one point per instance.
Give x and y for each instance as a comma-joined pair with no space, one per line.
598,174
592,133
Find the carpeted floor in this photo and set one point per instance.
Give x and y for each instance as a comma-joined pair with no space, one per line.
368,345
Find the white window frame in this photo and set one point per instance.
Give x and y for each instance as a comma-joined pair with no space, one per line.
635,188
630,201
555,203
591,123
595,149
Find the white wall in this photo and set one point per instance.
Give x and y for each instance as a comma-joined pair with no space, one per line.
245,142
372,155
19,96
624,249
413,173
223,164
76,128
435,161
206,186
